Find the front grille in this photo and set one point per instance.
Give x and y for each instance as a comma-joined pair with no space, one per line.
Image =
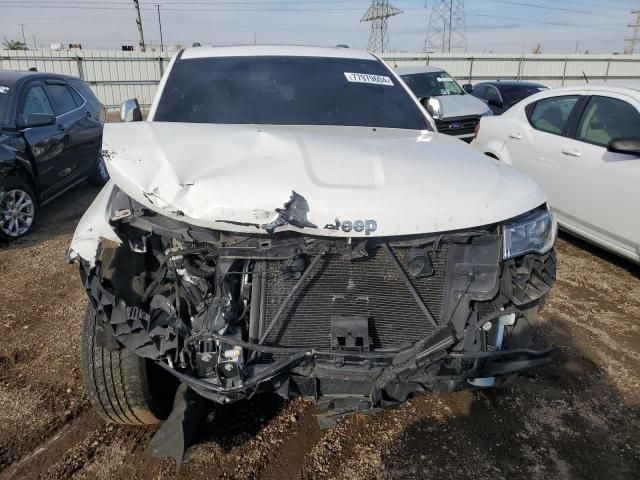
458,126
369,286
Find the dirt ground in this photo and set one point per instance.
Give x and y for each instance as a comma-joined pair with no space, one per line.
579,418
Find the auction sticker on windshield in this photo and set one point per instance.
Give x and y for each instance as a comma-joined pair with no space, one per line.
368,78
4,89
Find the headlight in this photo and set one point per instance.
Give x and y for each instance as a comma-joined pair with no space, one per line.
488,113
533,233
434,107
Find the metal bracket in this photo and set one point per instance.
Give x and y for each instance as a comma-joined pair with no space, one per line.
350,333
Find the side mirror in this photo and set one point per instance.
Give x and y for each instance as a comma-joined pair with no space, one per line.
628,146
495,103
467,87
130,111
37,120
433,106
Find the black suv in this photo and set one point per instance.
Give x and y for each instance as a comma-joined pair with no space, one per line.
502,95
50,140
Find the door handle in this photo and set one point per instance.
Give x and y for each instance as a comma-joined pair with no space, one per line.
516,135
572,152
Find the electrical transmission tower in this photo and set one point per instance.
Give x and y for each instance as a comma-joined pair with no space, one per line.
446,30
635,39
378,14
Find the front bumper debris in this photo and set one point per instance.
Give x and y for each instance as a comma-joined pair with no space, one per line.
373,321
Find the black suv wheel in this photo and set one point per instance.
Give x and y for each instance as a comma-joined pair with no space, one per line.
100,175
18,208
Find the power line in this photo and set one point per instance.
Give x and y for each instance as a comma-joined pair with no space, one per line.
223,8
542,22
556,9
446,29
378,14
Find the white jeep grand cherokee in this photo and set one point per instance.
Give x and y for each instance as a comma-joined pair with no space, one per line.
289,220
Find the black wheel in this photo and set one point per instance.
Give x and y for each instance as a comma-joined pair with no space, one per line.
100,175
18,208
123,387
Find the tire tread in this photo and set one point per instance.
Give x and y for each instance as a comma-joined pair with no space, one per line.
116,380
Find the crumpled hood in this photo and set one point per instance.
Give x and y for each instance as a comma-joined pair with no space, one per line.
239,178
461,106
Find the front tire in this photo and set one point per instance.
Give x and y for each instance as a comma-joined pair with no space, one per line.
123,388
100,175
18,208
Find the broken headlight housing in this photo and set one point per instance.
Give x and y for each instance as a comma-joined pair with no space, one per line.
535,232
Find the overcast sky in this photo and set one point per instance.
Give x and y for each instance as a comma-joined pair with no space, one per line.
492,25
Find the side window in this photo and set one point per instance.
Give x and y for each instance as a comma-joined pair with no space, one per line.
493,95
480,91
63,98
606,119
36,101
76,97
552,114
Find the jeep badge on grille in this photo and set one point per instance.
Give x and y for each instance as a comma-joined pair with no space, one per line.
358,226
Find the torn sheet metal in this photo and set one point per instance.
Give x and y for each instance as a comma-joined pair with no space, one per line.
237,177
294,213
177,432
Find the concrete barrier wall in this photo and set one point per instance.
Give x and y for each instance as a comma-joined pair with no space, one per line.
116,76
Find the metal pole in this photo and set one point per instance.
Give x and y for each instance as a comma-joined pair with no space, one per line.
450,23
520,67
471,69
382,25
80,68
24,39
160,25
136,4
564,71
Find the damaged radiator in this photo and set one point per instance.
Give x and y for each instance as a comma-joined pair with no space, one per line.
368,287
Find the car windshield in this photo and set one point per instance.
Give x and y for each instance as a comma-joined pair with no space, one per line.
432,84
512,94
5,103
287,91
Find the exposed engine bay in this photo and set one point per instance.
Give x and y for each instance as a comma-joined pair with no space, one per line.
361,322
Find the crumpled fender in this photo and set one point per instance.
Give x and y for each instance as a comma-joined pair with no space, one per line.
93,228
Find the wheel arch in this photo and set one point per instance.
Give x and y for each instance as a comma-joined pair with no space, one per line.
23,173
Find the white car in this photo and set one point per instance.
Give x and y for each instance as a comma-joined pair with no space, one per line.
288,220
582,144
455,112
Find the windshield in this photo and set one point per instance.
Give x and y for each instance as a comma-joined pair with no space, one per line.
433,84
512,94
5,103
287,91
